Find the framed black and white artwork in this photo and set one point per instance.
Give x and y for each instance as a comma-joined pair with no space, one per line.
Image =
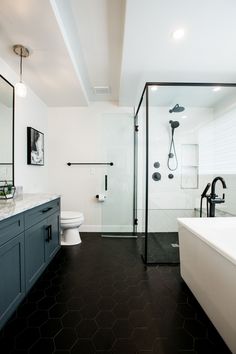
35,147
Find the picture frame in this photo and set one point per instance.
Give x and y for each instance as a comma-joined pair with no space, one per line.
35,147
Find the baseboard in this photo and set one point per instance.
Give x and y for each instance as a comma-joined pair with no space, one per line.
106,228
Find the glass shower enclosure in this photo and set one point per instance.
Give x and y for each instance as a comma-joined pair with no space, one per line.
184,137
117,184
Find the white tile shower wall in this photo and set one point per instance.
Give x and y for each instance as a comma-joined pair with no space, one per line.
167,200
98,133
218,154
29,111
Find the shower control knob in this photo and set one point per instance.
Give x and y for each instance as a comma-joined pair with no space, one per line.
170,176
156,176
156,164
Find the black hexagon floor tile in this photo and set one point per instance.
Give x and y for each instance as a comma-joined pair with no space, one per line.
89,311
122,329
38,318
86,328
14,327
106,303
46,303
98,297
71,319
75,303
124,346
105,319
27,338
195,328
83,346
65,339
50,328
143,338
26,310
121,311
103,339
43,345
57,310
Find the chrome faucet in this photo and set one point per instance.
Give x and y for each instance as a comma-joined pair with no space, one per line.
213,198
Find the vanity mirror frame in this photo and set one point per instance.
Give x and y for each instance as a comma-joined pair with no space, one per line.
13,128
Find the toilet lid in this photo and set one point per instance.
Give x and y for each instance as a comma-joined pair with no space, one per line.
71,215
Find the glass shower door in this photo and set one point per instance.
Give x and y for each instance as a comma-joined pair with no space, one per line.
118,180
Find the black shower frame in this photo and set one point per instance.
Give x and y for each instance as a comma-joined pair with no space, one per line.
146,93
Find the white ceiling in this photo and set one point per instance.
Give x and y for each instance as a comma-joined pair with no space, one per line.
48,70
78,44
206,54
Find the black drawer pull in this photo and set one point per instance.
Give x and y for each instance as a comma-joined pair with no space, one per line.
49,233
46,210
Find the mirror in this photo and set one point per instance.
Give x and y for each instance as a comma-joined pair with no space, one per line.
6,132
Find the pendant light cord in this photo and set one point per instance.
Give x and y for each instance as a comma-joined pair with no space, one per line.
21,65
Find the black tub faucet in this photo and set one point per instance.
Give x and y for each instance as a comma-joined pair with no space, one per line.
213,198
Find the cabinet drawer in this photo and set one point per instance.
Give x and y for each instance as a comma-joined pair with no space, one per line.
11,227
41,212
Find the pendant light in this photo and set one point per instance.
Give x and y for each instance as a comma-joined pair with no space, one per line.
23,52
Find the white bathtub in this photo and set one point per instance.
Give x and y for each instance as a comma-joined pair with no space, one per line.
208,266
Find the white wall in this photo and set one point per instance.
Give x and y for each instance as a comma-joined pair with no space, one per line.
98,133
29,111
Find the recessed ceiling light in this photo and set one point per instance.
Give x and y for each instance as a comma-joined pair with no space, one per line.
216,88
178,34
184,117
154,88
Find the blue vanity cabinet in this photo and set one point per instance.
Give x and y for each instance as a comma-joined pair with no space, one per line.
41,239
41,245
12,276
28,242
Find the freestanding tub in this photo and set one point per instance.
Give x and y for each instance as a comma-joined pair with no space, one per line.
208,266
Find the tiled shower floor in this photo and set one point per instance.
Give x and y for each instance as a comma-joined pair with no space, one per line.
98,297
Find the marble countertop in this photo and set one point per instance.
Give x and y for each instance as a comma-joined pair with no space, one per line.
22,203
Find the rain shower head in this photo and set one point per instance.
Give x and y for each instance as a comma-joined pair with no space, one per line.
177,109
174,124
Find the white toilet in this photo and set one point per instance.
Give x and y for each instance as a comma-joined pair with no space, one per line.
70,223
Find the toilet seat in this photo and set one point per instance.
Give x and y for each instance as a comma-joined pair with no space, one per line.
69,215
72,221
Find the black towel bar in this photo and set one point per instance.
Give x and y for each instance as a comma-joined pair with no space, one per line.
90,163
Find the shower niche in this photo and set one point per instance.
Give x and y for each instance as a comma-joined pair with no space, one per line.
189,166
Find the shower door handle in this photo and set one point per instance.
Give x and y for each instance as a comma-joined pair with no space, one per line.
106,183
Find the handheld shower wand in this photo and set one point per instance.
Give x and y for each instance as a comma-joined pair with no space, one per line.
174,125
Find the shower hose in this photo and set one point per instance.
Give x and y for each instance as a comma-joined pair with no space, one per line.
172,155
